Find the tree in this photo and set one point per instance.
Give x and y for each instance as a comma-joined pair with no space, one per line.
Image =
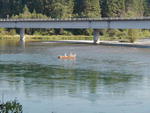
147,8
10,7
89,8
104,8
133,35
62,9
134,8
5,8
113,8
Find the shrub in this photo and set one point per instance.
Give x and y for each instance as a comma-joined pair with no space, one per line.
11,107
133,35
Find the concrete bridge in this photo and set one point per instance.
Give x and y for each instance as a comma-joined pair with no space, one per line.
77,23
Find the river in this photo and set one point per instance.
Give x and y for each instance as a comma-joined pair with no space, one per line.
102,79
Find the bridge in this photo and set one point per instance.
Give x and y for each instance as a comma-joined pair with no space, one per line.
77,23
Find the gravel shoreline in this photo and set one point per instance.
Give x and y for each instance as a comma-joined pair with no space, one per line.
144,43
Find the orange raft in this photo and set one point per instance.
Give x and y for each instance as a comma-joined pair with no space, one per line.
67,57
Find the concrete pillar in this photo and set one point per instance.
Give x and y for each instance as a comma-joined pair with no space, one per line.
21,44
22,34
96,36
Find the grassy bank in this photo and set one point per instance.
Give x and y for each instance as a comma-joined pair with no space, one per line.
46,38
70,37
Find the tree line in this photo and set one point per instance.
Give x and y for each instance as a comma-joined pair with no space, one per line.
77,8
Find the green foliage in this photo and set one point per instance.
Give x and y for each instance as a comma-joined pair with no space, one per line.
7,31
57,37
12,32
2,31
27,14
89,8
147,8
10,7
133,35
62,9
71,8
11,107
146,34
114,8
134,8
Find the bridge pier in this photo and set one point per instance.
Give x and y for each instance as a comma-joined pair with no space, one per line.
96,36
22,34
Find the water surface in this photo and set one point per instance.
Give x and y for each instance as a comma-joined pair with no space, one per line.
103,79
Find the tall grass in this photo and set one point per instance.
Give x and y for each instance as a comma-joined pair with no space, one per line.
46,38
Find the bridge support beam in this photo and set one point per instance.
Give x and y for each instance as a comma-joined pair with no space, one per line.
22,34
96,36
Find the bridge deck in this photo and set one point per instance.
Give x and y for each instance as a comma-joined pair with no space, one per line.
79,23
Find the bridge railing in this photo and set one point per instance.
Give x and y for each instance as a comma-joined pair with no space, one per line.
76,19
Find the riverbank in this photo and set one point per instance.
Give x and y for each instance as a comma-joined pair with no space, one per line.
47,37
143,43
139,44
78,39
57,37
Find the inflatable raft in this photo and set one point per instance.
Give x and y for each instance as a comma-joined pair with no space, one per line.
71,56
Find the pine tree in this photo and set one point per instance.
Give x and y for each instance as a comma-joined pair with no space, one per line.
89,8
62,8
5,8
147,8
113,8
104,8
134,8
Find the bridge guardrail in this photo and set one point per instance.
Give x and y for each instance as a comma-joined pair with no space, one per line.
74,19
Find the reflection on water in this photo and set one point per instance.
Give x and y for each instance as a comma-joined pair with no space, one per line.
102,77
65,78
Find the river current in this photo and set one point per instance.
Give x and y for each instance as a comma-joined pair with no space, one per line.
102,79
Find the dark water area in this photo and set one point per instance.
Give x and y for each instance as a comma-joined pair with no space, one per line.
103,79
